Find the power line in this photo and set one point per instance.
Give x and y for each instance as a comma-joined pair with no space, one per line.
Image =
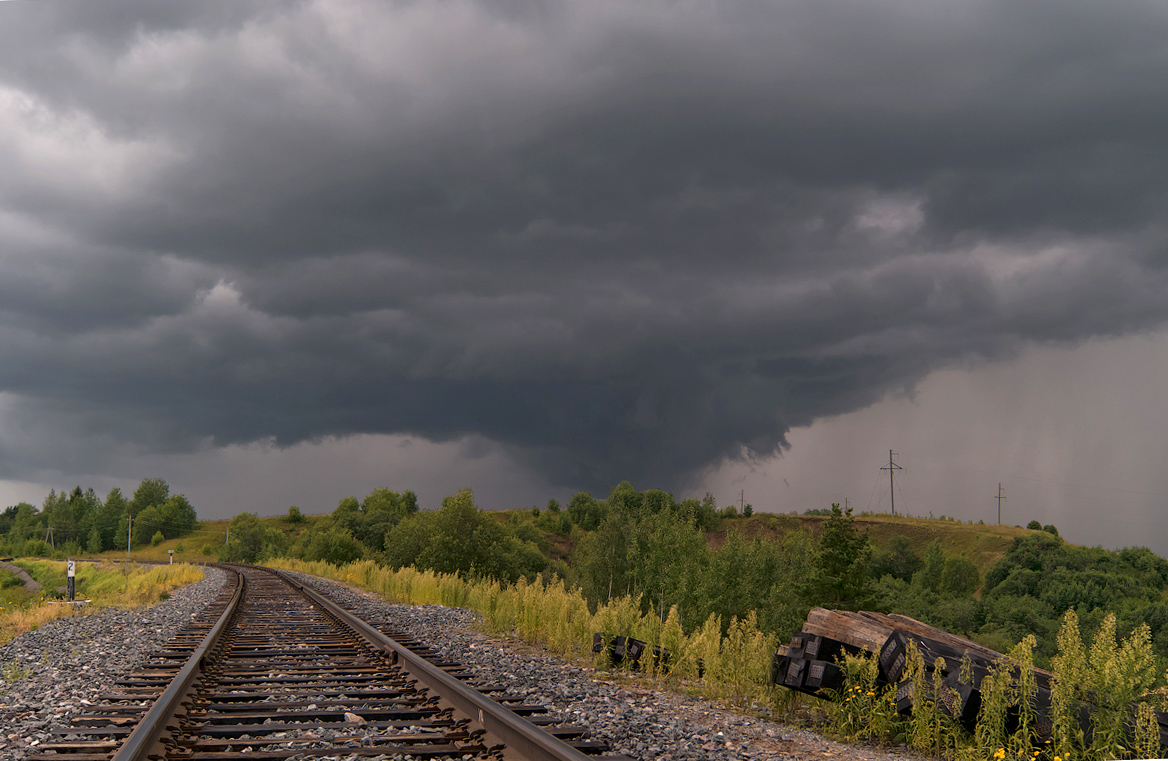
1042,480
874,485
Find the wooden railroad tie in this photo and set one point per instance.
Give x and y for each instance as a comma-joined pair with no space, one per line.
811,664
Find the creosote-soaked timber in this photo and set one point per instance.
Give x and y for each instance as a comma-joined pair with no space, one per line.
811,664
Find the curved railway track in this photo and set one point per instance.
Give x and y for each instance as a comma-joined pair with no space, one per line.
274,670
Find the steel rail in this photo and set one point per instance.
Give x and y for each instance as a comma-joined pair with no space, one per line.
520,736
146,738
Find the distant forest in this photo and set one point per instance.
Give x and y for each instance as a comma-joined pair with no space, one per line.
70,523
648,545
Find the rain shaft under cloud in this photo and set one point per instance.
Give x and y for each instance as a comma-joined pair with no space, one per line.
618,240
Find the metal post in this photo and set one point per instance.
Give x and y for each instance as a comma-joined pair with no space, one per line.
69,573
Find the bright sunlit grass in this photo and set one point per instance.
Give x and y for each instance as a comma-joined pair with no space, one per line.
129,585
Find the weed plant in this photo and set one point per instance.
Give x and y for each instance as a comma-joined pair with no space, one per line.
863,710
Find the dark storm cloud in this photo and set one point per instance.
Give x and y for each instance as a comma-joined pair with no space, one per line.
621,240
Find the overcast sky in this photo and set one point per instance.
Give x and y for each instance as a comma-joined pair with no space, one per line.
283,252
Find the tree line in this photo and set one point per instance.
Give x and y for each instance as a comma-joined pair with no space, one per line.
660,551
642,544
73,522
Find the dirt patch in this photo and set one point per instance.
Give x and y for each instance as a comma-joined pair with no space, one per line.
30,584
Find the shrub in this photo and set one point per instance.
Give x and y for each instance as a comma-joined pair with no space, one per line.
157,539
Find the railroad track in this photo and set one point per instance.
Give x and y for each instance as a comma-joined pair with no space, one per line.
274,670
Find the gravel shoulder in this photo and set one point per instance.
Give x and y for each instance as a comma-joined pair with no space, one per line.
48,675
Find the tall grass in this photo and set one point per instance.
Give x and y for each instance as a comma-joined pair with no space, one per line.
548,613
125,586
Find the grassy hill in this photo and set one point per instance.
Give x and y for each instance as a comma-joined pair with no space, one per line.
203,545
981,543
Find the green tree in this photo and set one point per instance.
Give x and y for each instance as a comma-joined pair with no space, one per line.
146,523
899,561
460,538
932,569
626,500
702,513
294,515
113,511
665,557
959,577
844,559
27,523
57,514
789,598
94,545
585,511
151,492
331,544
602,559
251,541
84,509
178,516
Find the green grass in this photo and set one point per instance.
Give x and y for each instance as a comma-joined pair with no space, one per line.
125,585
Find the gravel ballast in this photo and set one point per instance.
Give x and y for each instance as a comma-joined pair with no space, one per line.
66,663
50,674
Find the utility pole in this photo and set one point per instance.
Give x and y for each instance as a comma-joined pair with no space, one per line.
129,533
1000,497
891,468
741,500
49,539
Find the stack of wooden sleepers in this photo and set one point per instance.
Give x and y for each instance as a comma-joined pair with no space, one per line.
811,663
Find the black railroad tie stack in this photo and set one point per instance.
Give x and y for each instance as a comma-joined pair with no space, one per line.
811,664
